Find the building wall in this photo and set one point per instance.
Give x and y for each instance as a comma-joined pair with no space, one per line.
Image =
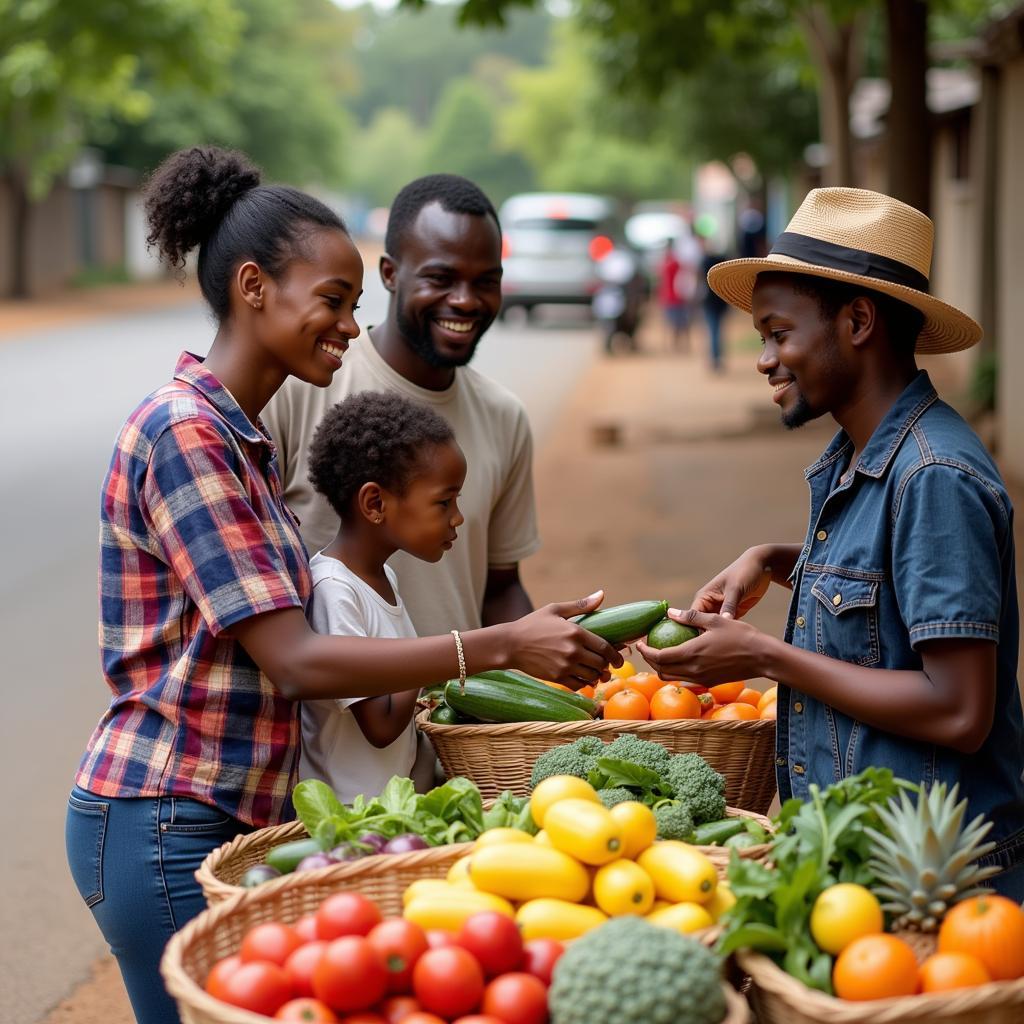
1010,312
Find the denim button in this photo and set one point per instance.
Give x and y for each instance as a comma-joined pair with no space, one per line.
798,768
822,535
781,762
837,600
801,621
798,707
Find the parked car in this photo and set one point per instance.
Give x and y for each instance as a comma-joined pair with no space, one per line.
650,230
552,245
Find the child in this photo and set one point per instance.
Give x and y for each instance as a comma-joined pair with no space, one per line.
392,471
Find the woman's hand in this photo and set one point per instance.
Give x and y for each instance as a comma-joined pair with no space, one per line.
739,586
726,650
544,644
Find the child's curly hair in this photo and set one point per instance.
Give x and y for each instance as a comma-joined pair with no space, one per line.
375,435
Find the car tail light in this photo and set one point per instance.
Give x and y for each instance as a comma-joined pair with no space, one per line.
600,246
506,249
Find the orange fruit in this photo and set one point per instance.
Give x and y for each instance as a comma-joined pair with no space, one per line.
628,704
768,696
586,691
991,928
726,693
748,695
875,967
943,971
734,713
646,683
674,702
605,691
768,711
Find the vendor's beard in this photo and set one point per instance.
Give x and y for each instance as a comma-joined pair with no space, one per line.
419,340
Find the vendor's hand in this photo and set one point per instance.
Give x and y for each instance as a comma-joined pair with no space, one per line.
546,645
737,588
726,650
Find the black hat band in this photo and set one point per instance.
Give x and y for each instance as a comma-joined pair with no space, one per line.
851,261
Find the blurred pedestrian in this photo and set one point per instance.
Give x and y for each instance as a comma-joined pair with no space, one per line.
203,576
674,293
901,644
713,306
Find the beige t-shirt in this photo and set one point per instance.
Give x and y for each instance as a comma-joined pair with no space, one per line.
497,502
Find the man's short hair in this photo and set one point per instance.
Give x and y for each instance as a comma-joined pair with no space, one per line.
455,194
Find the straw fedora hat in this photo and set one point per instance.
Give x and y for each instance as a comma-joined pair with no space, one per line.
865,238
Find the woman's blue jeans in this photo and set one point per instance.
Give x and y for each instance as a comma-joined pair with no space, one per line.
133,860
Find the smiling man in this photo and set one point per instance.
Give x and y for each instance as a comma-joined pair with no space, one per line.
901,644
442,268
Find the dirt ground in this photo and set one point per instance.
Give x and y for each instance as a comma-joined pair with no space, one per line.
658,474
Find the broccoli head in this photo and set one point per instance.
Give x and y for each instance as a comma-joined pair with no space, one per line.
674,821
698,785
667,978
615,795
577,758
629,747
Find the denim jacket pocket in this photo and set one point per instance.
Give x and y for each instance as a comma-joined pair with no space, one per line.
846,620
86,830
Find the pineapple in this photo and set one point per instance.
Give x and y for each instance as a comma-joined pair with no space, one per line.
926,863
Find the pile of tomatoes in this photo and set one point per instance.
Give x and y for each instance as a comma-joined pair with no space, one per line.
347,963
638,696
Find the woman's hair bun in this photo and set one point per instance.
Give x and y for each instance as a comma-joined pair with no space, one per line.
187,196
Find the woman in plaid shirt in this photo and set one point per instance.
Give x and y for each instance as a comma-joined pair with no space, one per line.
203,577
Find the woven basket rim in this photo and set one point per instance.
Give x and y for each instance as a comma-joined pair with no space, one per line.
595,726
766,974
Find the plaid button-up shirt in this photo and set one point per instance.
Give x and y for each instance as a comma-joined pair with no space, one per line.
194,537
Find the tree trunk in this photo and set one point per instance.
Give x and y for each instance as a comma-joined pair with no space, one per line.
836,49
908,136
21,210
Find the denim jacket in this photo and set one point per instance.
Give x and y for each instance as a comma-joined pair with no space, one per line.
917,543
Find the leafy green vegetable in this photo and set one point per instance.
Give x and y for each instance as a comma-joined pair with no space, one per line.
510,811
817,844
610,772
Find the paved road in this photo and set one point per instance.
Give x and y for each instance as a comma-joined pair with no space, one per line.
64,394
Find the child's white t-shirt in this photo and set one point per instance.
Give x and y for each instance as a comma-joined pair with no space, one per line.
334,748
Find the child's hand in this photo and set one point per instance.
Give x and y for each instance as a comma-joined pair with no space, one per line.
545,645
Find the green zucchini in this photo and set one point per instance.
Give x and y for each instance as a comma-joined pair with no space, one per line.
286,857
522,679
714,833
492,700
624,623
669,633
444,715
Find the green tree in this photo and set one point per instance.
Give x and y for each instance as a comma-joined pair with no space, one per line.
63,63
387,154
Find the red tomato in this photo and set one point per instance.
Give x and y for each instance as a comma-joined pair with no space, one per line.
422,1017
365,1017
311,1011
300,966
437,938
272,942
541,955
480,1018
448,981
305,927
494,940
400,944
219,974
260,987
517,998
346,913
350,975
395,1009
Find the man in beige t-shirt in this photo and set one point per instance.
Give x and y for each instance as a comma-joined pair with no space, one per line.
442,267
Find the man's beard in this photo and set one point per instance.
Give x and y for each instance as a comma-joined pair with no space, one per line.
419,340
802,411
800,414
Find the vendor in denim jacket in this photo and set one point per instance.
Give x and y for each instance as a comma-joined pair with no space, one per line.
901,643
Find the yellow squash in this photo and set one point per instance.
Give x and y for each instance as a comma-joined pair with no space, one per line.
557,919
721,901
639,827
426,887
498,836
458,873
559,787
623,887
681,917
527,872
681,873
584,830
448,910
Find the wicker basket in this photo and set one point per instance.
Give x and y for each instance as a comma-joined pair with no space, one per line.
218,932
498,757
778,998
222,870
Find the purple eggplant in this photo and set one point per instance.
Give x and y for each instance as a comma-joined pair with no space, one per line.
315,860
257,875
406,843
373,840
348,851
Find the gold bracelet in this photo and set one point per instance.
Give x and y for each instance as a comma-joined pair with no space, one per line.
462,661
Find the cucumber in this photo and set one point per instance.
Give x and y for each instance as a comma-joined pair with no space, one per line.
522,679
493,700
714,833
669,633
286,857
624,623
445,715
